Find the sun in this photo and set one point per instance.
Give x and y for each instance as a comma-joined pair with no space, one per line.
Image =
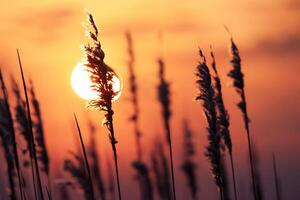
81,84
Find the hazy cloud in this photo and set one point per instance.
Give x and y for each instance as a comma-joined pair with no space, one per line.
46,24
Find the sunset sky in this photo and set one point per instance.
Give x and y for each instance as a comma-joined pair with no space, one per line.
49,34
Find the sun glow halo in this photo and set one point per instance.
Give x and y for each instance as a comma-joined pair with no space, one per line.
81,84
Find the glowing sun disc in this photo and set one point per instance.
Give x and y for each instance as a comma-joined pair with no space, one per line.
81,84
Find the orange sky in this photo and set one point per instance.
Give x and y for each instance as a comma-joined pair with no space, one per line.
49,35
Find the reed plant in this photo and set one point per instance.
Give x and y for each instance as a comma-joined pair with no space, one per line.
32,145
161,171
102,83
237,76
189,167
165,101
206,95
38,127
142,172
223,122
9,124
7,138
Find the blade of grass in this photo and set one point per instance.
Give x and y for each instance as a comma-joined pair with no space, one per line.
85,159
276,179
32,145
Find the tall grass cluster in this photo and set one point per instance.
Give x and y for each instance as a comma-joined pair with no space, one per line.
21,119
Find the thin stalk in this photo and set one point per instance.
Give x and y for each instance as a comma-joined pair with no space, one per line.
32,145
113,143
85,159
171,159
251,163
276,181
233,177
221,193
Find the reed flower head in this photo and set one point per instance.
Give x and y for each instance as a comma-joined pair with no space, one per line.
206,95
42,152
22,119
238,81
164,91
189,166
223,116
100,74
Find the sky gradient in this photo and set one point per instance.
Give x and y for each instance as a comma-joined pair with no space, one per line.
49,35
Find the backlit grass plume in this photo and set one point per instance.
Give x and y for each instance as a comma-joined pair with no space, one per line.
21,121
206,95
102,83
142,172
165,101
38,127
189,166
223,119
8,139
238,83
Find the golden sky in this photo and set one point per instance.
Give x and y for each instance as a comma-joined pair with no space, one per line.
49,34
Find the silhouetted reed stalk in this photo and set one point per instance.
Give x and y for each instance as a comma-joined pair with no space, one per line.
86,162
95,168
134,96
223,120
226,193
111,182
42,152
238,83
8,126
102,83
257,175
164,99
276,178
188,166
30,127
206,95
141,168
22,125
161,171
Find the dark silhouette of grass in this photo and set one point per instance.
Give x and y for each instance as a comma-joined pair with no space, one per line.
161,171
111,182
257,175
42,152
7,134
225,185
276,178
238,83
95,167
188,166
223,119
206,95
77,170
142,172
22,126
86,162
30,131
101,76
164,99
